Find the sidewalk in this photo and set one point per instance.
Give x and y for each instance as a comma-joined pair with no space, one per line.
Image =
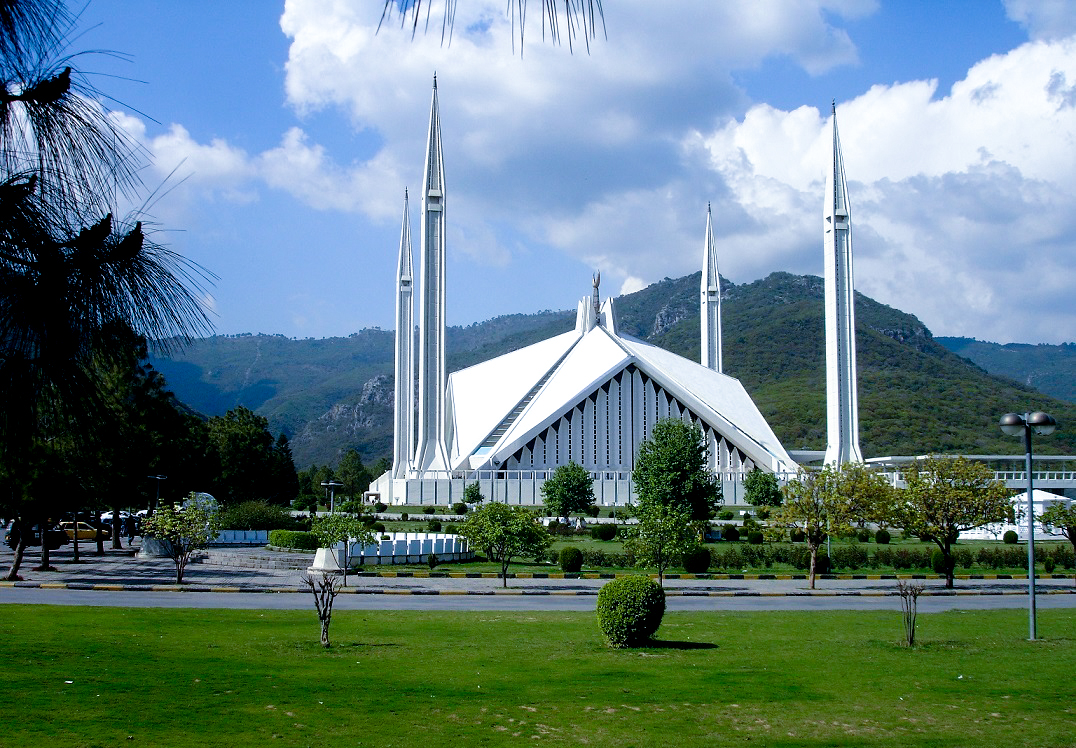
262,570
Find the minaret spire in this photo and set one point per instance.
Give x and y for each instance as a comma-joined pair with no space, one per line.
430,451
403,438
711,300
842,402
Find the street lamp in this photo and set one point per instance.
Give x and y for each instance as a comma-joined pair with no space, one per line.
157,478
330,488
1015,424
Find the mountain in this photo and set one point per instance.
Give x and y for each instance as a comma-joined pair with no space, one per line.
915,395
1047,368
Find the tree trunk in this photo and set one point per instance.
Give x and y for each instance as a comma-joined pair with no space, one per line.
45,566
116,528
814,553
20,551
325,620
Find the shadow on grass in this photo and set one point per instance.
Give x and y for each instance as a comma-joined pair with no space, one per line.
662,644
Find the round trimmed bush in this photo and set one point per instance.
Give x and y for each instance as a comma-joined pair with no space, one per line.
429,510
821,564
726,514
593,510
433,526
603,532
882,537
755,537
380,507
796,535
939,563
459,508
696,560
863,535
630,610
730,532
1048,564
571,560
378,527
403,516
1010,537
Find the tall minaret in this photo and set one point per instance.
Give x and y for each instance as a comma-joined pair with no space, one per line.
711,301
842,404
430,451
403,439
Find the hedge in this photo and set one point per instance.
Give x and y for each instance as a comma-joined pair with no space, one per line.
297,539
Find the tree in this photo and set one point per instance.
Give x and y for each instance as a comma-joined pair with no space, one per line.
945,496
581,18
665,533
1060,517
252,464
672,468
72,276
183,529
332,529
505,532
816,505
472,494
325,589
570,489
353,474
761,489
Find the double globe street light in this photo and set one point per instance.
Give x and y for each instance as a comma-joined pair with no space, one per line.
1015,424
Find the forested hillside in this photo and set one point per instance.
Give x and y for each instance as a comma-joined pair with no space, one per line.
915,395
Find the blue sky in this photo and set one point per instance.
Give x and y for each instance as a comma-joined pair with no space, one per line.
293,129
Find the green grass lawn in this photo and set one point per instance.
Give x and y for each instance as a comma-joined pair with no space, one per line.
78,677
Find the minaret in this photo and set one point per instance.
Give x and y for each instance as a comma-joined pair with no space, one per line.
711,301
430,451
842,404
403,438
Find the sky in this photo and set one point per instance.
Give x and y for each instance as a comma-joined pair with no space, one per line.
280,138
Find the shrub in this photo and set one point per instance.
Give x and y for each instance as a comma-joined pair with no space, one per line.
256,515
725,515
429,510
882,537
571,560
696,560
403,516
1048,564
593,510
746,516
1010,537
863,535
939,562
378,527
764,513
964,557
459,508
849,557
730,532
796,535
603,532
380,507
630,610
432,561
821,563
433,526
296,539
755,537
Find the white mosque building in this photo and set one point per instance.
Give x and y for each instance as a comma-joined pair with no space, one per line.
591,395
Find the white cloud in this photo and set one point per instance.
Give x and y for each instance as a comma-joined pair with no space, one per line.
1043,19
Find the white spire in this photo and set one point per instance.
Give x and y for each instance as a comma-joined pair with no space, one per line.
710,307
430,452
842,403
403,438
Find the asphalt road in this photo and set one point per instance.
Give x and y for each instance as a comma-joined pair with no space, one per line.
513,602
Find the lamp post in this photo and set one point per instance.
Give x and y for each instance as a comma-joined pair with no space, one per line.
1015,424
330,488
157,501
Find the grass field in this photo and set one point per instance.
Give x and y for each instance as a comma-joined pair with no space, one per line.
78,677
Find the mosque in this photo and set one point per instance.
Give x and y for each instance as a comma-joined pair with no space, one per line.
591,395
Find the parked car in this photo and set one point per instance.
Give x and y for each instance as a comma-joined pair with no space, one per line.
85,531
54,537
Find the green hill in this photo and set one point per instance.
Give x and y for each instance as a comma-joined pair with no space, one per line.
1047,368
915,395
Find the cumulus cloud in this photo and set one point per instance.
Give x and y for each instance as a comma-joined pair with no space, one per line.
1043,19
